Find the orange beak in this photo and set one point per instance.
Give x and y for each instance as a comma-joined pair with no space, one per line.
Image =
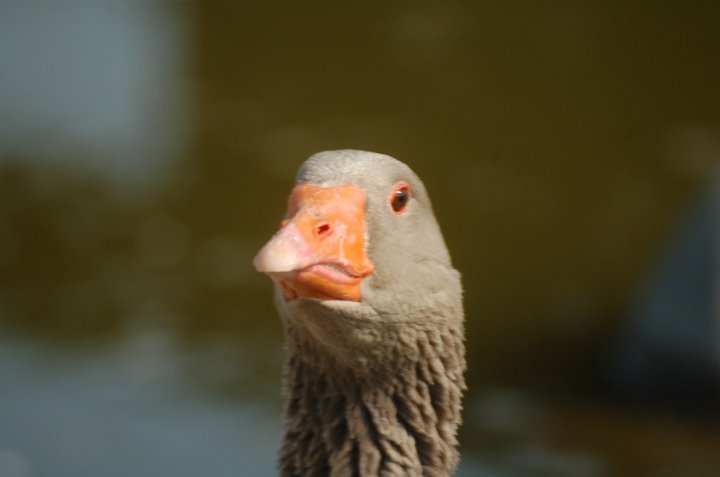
319,251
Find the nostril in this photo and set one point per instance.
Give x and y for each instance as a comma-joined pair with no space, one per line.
323,229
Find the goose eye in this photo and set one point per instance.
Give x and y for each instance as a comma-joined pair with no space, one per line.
399,198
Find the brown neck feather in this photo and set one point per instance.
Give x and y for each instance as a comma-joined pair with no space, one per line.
344,423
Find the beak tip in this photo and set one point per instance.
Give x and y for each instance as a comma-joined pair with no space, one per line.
258,263
268,261
285,252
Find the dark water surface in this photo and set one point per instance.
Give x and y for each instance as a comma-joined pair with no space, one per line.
146,152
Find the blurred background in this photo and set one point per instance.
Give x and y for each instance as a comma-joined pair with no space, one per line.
147,148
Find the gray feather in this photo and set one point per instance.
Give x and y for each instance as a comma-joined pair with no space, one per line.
374,387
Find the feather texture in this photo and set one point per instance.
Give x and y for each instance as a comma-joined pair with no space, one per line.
340,423
374,386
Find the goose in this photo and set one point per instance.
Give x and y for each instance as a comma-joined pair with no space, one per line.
373,320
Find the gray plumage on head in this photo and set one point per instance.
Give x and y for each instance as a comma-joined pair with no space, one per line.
374,387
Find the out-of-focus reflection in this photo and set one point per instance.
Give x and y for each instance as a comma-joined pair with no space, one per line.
96,84
123,410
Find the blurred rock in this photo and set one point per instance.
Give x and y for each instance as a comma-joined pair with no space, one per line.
671,348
